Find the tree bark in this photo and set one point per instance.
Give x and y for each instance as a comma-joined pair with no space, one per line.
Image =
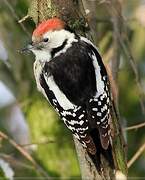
80,15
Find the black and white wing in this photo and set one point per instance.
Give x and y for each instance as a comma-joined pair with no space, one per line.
74,116
76,84
99,104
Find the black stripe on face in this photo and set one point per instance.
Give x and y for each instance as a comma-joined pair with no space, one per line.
55,50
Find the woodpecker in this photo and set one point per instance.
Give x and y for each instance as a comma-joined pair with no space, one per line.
70,73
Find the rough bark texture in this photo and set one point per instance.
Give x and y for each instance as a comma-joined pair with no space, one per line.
73,12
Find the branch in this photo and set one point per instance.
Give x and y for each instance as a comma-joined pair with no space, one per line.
39,143
136,155
115,10
88,170
15,162
125,46
23,19
24,153
12,10
137,126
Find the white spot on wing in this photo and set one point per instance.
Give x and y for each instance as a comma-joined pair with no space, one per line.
64,119
82,129
104,108
76,109
81,116
99,103
81,122
74,115
99,114
83,135
65,113
72,122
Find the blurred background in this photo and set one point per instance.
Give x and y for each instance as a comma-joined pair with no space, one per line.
28,119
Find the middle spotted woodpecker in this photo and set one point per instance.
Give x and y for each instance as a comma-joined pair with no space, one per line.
71,75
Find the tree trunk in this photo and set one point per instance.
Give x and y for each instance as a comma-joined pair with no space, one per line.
80,15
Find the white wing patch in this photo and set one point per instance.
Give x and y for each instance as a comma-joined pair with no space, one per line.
100,82
60,96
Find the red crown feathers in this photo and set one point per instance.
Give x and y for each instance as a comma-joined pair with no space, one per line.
50,24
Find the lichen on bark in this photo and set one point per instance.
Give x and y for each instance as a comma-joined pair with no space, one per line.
40,10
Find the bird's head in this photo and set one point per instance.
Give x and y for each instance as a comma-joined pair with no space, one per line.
48,35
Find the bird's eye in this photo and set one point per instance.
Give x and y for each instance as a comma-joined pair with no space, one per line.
45,40
31,42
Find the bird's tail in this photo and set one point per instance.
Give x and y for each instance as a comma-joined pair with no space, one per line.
100,152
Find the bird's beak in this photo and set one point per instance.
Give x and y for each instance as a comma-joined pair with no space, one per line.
28,48
32,45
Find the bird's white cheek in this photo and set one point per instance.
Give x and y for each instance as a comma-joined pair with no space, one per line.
55,43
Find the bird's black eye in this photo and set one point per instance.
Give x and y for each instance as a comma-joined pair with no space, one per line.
31,43
45,40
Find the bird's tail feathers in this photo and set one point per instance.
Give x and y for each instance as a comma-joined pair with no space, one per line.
101,150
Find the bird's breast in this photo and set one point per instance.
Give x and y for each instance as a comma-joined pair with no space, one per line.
38,67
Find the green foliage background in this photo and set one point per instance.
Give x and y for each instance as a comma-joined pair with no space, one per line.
57,155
